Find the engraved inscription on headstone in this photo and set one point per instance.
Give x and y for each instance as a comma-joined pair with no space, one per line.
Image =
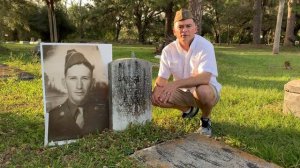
130,89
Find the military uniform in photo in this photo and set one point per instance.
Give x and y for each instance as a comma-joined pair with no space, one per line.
63,122
82,113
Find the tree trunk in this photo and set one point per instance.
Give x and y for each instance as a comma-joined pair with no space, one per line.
139,27
55,35
52,20
81,21
278,27
138,21
217,36
290,25
218,28
195,7
142,36
228,34
257,21
118,29
168,22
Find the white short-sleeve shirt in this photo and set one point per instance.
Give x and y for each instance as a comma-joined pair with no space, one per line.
182,64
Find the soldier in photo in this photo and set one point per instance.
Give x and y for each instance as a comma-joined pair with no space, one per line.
80,114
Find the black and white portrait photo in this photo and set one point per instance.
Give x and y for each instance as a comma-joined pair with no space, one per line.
75,83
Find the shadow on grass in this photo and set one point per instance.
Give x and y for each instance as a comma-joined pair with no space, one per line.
19,52
278,145
17,127
4,49
24,136
23,143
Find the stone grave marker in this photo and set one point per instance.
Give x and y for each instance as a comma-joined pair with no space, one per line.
130,91
8,71
198,151
24,42
292,98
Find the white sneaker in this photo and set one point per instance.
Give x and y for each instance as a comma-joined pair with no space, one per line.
205,128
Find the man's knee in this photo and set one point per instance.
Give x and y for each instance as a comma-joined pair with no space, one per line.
205,94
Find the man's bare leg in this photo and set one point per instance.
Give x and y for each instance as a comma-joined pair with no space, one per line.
206,96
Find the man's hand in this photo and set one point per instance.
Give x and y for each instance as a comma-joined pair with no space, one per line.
162,94
167,91
155,98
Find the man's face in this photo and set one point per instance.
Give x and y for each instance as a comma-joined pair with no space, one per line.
185,30
78,81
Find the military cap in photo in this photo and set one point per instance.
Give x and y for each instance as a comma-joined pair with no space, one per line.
183,14
73,58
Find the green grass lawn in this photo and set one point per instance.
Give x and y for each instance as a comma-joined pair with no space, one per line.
249,115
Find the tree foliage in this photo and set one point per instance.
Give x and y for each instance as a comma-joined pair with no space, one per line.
14,15
143,21
39,24
23,19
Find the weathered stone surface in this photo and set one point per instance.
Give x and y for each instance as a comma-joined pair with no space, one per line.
293,86
196,151
7,71
292,98
130,89
26,76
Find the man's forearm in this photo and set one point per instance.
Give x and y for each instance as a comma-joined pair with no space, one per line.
193,81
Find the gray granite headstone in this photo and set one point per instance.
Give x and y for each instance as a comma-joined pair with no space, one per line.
130,82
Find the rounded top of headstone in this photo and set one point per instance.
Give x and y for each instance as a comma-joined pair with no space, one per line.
292,86
129,60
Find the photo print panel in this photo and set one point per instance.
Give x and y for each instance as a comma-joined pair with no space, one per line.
75,90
